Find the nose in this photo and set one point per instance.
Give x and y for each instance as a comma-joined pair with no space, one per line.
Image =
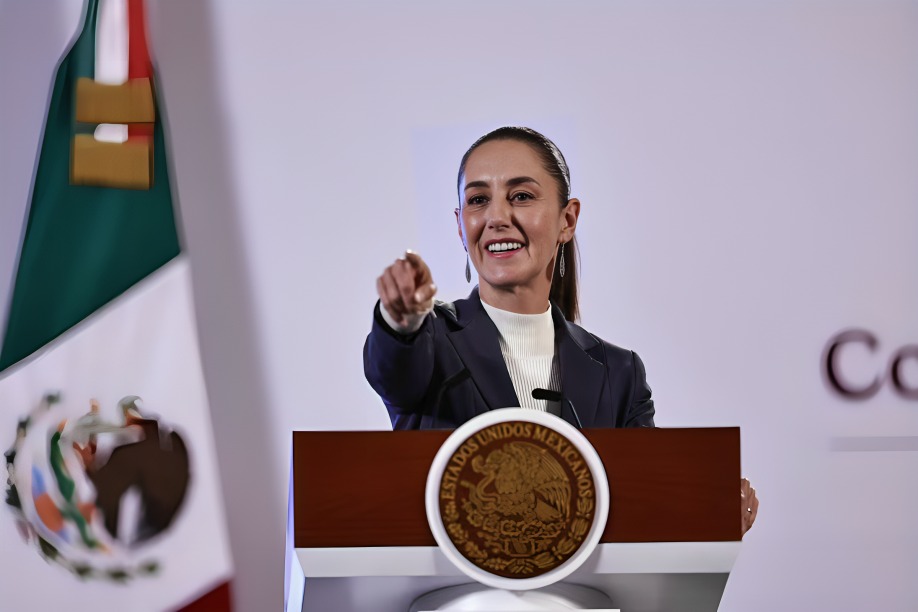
499,214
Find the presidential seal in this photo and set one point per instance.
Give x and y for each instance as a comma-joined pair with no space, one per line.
520,498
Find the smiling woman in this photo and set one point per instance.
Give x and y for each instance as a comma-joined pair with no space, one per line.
513,341
517,216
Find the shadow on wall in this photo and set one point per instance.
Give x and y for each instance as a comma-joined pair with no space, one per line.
185,52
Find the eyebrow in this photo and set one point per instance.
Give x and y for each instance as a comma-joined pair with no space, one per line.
518,180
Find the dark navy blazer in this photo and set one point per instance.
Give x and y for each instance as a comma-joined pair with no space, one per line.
452,370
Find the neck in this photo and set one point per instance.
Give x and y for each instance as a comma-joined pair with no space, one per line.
521,300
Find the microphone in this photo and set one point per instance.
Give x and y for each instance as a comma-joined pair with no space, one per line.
547,395
556,396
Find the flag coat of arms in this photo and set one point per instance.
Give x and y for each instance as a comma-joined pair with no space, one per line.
112,495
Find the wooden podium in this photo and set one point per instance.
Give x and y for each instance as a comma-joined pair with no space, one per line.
361,539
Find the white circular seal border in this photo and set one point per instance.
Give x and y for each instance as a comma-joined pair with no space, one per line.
483,421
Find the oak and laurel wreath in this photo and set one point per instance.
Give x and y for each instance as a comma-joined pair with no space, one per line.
558,553
50,553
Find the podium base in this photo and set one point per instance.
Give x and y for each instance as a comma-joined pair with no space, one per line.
480,598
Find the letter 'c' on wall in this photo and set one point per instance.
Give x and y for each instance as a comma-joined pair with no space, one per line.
830,365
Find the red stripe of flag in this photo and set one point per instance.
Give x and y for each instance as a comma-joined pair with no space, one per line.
139,65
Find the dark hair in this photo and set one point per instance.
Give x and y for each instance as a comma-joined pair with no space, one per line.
563,289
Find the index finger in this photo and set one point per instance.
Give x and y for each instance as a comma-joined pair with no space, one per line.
422,271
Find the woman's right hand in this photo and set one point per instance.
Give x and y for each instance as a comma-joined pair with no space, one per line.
406,290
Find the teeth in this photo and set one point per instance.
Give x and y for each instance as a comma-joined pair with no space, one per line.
499,247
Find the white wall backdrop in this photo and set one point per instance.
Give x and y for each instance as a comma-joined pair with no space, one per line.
749,188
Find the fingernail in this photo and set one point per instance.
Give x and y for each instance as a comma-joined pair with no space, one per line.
418,297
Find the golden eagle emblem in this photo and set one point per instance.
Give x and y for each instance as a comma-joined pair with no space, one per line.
513,502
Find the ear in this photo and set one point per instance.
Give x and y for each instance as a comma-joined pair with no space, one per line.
459,229
569,216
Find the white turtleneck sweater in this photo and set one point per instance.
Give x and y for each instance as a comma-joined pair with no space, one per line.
527,343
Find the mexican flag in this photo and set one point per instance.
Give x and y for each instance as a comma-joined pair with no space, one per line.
112,495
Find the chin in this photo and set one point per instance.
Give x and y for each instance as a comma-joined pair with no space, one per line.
502,282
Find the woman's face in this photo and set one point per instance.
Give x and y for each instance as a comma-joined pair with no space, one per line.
511,221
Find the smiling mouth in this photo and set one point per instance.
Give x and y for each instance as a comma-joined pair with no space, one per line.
504,247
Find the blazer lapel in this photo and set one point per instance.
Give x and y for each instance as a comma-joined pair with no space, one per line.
476,343
582,377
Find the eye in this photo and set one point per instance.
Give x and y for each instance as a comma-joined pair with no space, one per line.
521,196
477,200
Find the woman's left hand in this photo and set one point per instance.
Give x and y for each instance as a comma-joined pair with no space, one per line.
749,504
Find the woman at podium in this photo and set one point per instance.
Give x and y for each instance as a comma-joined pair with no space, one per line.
514,340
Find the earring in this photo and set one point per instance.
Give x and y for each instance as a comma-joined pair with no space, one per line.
561,262
468,270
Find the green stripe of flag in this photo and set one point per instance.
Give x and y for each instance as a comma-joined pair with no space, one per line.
83,245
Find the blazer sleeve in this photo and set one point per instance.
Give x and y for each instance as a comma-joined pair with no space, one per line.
399,368
640,407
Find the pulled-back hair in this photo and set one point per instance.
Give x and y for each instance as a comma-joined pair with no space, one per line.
563,289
